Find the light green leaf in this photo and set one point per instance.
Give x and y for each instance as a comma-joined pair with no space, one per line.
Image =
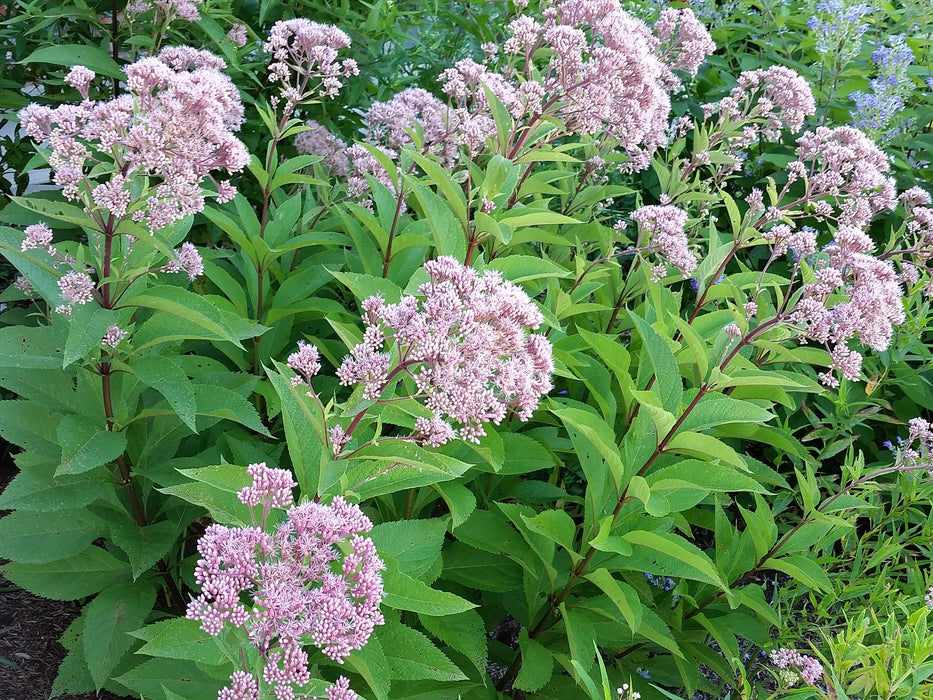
537,664
698,565
89,322
557,526
702,445
188,306
31,347
521,268
395,465
658,361
622,595
184,678
716,409
414,544
802,568
370,663
304,432
459,499
215,488
180,638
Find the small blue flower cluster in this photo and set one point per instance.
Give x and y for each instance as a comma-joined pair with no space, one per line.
876,111
666,583
838,27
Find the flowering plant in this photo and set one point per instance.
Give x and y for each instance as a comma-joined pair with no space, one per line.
557,374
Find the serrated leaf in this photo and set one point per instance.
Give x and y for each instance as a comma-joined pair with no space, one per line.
37,489
459,499
86,445
370,663
394,465
521,268
110,617
716,409
659,362
39,538
622,595
67,579
304,426
537,664
412,656
25,347
698,565
464,632
414,544
190,307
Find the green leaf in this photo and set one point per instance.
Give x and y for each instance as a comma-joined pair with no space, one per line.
412,656
702,445
659,360
32,426
521,268
185,678
86,445
144,546
370,663
39,538
480,570
557,526
188,306
110,617
492,532
622,595
89,322
581,636
180,638
449,237
67,579
709,476
68,55
465,632
600,435
215,488
34,265
37,489
716,409
518,217
165,375
697,565
402,592
802,568
283,220
414,544
304,432
25,347
395,465
537,664
220,402
459,499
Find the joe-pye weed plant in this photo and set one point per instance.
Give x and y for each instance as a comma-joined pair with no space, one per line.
382,322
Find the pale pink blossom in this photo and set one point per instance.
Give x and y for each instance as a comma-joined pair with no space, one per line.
38,236
113,337
664,227
76,288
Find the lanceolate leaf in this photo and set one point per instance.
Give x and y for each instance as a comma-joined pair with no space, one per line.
68,579
402,592
166,376
86,444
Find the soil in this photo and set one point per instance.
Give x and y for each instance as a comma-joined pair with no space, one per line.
29,631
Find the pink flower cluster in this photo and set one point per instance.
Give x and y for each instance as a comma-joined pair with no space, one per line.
187,260
297,581
167,9
809,668
305,60
606,72
874,306
466,345
174,125
665,225
843,167
318,141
